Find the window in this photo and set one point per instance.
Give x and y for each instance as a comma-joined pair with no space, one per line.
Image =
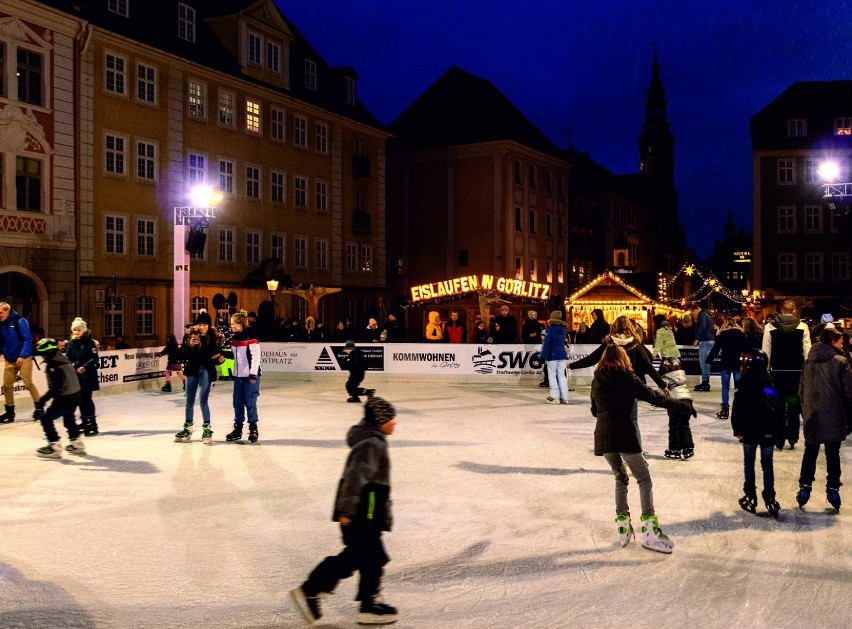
300,252
321,247
532,176
533,270
114,234
186,22
300,192
797,127
843,126
255,48
463,257
559,227
276,124
115,74
786,220
349,90
196,305
366,258
519,269
548,225
518,220
532,221
146,237
29,72
813,219
115,154
253,247
227,103
813,267
279,247
840,266
146,160
549,271
300,131
226,176
144,316
197,99
226,245
197,170
273,57
786,171
146,83
114,318
253,117
119,7
252,182
560,186
311,75
787,267
278,187
519,179
322,196
812,171
322,138
351,257
28,184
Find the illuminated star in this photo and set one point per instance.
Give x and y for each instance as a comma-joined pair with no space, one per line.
712,282
689,270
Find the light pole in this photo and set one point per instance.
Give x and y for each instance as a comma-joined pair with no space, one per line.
188,219
272,286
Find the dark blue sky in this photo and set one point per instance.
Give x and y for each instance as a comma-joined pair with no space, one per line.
582,67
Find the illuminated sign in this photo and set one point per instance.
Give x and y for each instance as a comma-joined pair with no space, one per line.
741,256
472,283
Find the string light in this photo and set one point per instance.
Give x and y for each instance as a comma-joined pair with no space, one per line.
709,284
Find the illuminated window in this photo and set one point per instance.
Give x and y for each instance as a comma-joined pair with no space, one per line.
559,273
548,265
366,258
533,270
197,99
253,117
843,126
519,269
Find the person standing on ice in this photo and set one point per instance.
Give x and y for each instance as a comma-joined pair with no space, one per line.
63,387
246,349
82,352
200,355
614,389
363,510
553,352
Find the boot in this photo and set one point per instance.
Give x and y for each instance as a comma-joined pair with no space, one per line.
653,537
236,434
832,494
206,435
53,450
252,433
308,604
672,454
771,504
38,413
184,435
804,495
749,500
723,411
375,612
687,453
625,529
90,426
9,416
76,447
167,388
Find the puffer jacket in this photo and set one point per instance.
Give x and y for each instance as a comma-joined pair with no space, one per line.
363,493
826,393
676,381
553,347
787,343
665,345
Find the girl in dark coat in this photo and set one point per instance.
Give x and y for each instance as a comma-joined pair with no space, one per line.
614,389
82,353
172,353
826,393
200,354
729,343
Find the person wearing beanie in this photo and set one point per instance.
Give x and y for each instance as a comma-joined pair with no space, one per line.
203,318
63,387
355,363
246,349
362,508
83,355
553,351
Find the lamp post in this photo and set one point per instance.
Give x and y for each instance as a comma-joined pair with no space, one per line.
272,286
188,218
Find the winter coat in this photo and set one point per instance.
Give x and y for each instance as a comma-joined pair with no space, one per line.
753,410
83,352
434,329
363,493
705,328
553,347
636,352
62,380
13,345
200,357
508,332
730,343
826,393
355,363
455,331
676,382
172,353
753,340
531,331
665,345
787,342
613,392
598,331
246,349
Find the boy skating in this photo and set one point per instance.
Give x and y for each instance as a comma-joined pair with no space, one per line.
63,387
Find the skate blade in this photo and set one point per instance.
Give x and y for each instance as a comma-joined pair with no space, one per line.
658,548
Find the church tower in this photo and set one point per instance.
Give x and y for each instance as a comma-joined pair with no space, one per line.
656,142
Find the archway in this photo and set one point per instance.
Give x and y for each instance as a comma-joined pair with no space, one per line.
25,294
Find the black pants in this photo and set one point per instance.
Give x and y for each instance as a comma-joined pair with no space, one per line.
363,552
789,406
87,406
353,387
680,434
832,464
63,407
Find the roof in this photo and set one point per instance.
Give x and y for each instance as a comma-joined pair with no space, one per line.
608,288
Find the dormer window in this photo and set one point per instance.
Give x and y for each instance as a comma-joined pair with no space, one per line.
310,75
186,22
349,90
843,126
119,7
255,48
273,57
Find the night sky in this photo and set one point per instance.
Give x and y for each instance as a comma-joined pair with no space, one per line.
581,67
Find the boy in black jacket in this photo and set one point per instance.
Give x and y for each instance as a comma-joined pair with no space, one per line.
63,387
356,364
753,422
363,509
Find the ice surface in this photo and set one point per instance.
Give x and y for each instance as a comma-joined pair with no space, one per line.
503,518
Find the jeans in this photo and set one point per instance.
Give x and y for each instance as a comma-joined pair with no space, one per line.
194,384
832,464
245,400
556,378
639,469
749,455
704,348
726,383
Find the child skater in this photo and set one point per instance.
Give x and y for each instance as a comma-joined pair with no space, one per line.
680,435
614,388
63,387
363,510
355,363
753,422
172,353
246,376
82,353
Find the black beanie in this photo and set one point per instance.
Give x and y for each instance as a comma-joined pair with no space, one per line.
203,317
378,411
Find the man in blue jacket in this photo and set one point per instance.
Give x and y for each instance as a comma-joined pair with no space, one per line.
16,346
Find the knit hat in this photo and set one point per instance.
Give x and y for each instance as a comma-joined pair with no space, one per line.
826,318
350,344
79,324
203,317
378,411
556,315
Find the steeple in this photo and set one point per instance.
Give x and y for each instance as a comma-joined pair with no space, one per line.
656,142
655,105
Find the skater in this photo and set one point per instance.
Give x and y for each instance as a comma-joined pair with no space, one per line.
355,363
826,394
200,355
753,423
705,336
363,510
246,350
16,347
82,352
553,352
172,353
614,389
665,345
63,388
681,445
729,343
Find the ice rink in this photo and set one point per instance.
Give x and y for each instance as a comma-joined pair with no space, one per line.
503,518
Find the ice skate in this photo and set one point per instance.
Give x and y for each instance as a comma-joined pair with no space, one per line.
375,612
236,434
749,500
52,450
687,453
9,416
771,504
76,447
90,426
354,400
723,411
206,435
803,495
166,388
653,537
672,454
309,606
184,435
252,433
369,393
832,494
625,529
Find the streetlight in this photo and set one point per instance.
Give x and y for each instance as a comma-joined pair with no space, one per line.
835,192
272,286
189,223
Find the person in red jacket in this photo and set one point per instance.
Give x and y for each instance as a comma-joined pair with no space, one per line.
455,331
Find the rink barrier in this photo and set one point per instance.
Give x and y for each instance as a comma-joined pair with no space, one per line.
143,369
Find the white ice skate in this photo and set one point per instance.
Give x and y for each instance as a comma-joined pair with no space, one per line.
652,537
76,447
625,529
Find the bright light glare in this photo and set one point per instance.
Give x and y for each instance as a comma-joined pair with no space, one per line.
204,196
828,171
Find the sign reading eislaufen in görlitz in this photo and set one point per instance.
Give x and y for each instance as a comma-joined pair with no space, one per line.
472,283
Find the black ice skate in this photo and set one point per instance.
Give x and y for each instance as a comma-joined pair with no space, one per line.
166,388
723,411
672,454
803,495
832,494
309,606
252,433
771,504
749,500
236,434
687,453
375,612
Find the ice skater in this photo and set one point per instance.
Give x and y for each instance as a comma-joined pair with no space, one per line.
681,445
82,352
63,387
246,376
614,388
363,510
200,355
753,423
355,363
172,353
